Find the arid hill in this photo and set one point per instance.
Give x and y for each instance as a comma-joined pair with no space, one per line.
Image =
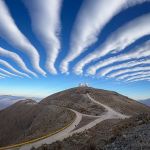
27,120
77,99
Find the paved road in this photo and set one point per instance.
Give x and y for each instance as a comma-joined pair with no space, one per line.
108,114
59,136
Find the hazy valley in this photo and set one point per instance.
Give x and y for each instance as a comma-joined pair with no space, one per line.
146,102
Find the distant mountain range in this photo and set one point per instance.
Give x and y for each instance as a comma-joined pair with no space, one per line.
146,101
7,100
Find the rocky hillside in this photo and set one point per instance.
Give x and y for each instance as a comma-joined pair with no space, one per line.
118,102
132,133
27,120
77,99
113,134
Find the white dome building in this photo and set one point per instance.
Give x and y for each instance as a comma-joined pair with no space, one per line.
83,84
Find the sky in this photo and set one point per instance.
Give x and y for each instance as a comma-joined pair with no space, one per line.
51,45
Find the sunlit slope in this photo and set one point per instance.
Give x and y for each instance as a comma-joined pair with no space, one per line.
27,120
77,99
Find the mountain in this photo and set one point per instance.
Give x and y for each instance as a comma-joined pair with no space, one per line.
27,120
110,134
7,100
146,102
76,98
87,107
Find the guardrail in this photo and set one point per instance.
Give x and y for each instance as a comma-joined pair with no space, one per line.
38,139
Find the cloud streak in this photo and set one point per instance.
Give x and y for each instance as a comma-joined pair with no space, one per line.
16,58
46,25
137,53
133,74
127,71
118,40
8,30
8,73
4,75
1,77
138,77
7,65
129,64
89,25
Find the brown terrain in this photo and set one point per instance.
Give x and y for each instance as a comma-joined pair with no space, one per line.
76,98
27,120
113,134
128,134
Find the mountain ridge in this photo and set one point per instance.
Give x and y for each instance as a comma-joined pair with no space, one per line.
110,98
91,106
146,101
7,100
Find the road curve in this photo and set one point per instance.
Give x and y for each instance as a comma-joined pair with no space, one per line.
108,114
59,136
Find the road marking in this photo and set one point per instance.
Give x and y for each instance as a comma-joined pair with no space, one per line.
37,139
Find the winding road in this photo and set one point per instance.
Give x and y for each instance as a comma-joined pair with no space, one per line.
108,114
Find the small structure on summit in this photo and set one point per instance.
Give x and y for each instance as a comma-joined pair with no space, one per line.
83,84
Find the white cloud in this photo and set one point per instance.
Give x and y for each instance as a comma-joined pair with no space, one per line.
7,65
129,64
4,75
127,71
88,25
118,40
10,32
16,58
91,19
132,75
1,77
8,73
45,17
138,77
138,52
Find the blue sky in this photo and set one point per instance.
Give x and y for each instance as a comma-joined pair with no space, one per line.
48,46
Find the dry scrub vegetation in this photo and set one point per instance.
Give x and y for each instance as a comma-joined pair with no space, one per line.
76,99
24,121
128,134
